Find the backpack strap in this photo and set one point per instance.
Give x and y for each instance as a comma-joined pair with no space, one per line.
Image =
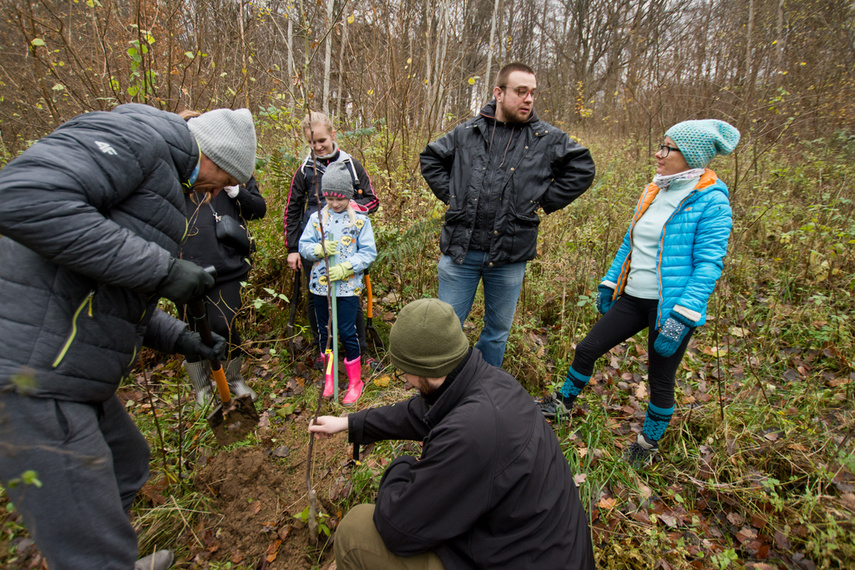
357,190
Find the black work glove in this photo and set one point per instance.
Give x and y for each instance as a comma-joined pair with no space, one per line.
190,342
184,281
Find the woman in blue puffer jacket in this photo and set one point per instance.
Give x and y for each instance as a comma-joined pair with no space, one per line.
663,274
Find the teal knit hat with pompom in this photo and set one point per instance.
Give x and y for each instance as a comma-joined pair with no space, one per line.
700,141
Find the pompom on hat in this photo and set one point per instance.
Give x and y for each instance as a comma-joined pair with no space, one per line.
337,181
427,339
228,138
700,141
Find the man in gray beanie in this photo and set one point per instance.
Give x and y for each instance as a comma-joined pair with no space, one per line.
491,488
91,217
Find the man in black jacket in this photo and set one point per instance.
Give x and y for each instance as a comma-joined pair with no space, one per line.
491,488
493,172
91,218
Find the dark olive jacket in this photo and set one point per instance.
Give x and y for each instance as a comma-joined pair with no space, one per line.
90,216
545,169
491,488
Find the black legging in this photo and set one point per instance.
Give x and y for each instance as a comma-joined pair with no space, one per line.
222,303
628,316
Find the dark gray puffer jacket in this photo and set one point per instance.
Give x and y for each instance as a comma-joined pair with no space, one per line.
90,216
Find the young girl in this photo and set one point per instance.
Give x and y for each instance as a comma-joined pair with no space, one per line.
303,201
349,244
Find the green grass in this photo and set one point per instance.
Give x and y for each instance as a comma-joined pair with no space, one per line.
758,466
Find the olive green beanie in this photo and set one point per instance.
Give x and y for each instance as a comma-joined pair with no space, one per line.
427,339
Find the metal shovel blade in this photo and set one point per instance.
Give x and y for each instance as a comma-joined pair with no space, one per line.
233,419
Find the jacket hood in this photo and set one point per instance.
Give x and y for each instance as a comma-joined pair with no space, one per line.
172,129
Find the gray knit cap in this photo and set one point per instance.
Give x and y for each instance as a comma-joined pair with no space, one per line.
228,138
427,339
337,182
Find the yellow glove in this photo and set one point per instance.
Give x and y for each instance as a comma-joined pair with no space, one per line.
332,249
341,271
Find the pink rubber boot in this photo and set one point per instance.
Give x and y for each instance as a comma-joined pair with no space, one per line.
354,381
329,380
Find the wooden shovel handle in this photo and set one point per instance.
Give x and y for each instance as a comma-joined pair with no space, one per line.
370,294
196,308
220,379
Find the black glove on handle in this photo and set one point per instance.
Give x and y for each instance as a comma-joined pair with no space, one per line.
190,342
184,281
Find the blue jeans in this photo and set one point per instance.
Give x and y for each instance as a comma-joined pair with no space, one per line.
457,286
346,313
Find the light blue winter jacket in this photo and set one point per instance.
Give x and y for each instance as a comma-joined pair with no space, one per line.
355,245
691,250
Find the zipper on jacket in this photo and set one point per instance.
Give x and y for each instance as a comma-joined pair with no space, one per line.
86,302
133,357
659,259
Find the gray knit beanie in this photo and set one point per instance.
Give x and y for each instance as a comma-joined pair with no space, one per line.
427,339
228,138
337,182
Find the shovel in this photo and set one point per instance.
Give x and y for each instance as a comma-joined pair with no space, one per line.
234,418
369,324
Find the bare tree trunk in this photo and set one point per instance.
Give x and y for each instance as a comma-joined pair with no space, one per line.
748,50
779,63
341,69
243,59
289,39
327,58
488,82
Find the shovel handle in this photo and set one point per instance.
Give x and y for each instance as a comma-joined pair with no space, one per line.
370,294
220,379
199,315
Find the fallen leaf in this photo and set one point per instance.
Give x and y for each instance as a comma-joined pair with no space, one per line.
382,381
669,521
746,534
285,532
758,522
736,519
607,503
579,478
781,541
273,550
282,451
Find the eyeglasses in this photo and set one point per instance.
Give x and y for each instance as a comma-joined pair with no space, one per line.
521,92
666,150
398,375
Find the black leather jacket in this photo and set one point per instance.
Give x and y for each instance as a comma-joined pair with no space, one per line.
545,169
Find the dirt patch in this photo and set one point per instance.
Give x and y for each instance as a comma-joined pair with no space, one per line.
257,493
